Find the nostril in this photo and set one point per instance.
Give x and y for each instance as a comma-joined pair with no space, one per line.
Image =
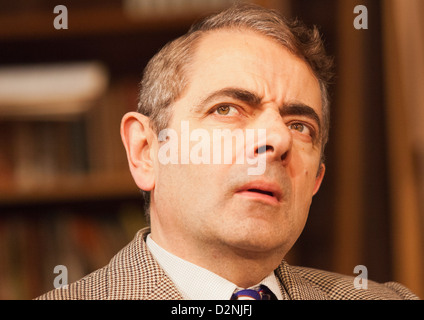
264,149
284,156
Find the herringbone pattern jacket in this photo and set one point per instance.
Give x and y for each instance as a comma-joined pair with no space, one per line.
134,274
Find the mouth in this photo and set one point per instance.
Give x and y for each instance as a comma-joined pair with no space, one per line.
269,193
261,191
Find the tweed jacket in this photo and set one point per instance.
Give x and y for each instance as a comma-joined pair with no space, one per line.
133,273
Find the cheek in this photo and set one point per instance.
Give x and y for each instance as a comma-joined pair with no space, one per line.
307,181
188,185
304,164
167,177
304,176
298,165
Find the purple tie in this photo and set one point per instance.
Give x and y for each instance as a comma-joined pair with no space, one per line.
262,293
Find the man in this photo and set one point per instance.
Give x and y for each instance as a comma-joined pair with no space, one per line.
215,227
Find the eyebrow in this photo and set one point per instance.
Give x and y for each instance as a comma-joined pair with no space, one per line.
235,93
253,99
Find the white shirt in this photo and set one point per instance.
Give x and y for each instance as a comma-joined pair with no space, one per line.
196,283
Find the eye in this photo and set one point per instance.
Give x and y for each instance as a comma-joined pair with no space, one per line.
302,128
226,110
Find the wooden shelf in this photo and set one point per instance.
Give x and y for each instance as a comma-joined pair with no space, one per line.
71,188
97,21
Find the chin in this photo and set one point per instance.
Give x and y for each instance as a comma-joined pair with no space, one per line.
261,241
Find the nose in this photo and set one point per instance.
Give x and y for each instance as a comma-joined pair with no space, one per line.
277,141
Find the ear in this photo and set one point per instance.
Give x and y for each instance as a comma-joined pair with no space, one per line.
319,178
137,137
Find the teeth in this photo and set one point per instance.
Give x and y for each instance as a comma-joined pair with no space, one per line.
262,191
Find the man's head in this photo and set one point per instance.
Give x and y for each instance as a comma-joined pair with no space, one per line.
245,68
165,77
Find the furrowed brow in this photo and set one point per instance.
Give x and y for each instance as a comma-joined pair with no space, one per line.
242,95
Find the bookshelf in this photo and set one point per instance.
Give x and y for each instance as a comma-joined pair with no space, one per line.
60,133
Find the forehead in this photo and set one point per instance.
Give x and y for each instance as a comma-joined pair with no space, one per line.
246,59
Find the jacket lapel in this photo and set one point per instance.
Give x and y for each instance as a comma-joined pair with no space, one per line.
296,287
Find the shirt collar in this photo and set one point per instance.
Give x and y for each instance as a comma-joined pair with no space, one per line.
196,283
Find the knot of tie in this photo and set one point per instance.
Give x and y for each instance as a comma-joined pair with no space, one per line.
262,293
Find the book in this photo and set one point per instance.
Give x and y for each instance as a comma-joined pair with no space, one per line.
50,90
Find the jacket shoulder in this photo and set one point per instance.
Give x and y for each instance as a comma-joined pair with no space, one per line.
93,286
342,287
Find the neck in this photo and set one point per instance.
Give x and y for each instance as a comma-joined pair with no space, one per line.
242,267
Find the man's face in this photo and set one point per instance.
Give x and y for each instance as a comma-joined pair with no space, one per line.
242,80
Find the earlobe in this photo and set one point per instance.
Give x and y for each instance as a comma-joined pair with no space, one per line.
319,178
137,137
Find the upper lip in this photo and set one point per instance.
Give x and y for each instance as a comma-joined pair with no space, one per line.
270,188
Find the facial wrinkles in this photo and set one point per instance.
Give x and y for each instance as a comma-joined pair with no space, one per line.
282,85
275,74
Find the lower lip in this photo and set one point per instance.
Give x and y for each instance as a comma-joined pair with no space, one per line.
258,197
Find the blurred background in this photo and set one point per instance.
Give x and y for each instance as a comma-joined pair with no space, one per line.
66,195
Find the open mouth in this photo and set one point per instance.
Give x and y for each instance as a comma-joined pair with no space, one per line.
268,193
261,191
